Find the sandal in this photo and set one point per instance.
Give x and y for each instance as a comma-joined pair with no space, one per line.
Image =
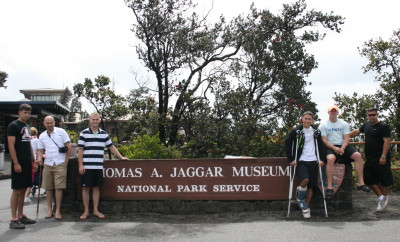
99,215
84,216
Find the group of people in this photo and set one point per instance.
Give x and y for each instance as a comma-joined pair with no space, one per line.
52,151
307,148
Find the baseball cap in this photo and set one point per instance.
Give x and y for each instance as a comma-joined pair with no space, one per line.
333,107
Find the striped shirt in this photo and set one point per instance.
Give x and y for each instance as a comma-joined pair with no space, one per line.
93,147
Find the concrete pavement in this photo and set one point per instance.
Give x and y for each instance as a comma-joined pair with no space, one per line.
211,227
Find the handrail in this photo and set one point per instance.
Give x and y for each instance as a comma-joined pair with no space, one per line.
362,142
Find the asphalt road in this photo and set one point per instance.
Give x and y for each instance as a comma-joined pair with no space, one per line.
216,227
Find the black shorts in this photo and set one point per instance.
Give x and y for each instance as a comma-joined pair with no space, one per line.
375,174
308,170
24,179
92,178
348,152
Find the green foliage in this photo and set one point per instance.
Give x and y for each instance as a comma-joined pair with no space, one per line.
3,79
149,147
353,109
106,102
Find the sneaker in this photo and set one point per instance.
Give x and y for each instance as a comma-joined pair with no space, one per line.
25,220
306,213
16,224
384,203
27,200
379,208
363,188
329,193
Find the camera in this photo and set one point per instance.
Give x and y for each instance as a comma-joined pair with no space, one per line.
63,149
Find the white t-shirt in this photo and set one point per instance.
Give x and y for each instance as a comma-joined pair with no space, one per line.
53,156
334,131
34,144
308,153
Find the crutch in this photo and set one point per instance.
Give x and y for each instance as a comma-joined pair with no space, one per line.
292,177
321,177
38,195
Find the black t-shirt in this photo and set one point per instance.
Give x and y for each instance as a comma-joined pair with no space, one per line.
22,135
374,135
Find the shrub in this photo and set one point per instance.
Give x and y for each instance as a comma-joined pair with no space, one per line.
149,147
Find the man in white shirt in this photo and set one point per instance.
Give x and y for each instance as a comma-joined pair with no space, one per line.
56,142
336,136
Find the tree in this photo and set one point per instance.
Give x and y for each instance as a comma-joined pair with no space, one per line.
65,97
383,59
177,46
107,104
353,108
3,79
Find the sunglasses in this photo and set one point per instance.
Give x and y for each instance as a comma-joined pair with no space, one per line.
372,115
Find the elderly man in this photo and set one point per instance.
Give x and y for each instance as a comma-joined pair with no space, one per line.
56,142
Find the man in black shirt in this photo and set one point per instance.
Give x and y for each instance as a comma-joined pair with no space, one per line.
377,172
19,145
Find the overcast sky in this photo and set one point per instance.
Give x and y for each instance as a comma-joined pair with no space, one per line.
54,44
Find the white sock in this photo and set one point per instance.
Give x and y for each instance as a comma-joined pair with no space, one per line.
381,197
302,189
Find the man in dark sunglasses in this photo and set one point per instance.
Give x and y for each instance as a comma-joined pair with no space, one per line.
377,172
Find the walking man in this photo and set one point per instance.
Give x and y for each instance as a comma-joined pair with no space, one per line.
307,139
91,144
377,171
56,142
336,136
19,145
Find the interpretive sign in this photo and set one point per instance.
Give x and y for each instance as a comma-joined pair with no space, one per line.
196,179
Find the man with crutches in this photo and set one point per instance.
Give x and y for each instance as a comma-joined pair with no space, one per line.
302,145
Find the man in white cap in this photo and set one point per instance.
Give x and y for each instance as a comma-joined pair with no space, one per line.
336,136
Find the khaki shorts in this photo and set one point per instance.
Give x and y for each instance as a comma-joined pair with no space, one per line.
55,177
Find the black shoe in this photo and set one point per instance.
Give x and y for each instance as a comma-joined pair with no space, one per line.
25,220
363,188
16,224
329,193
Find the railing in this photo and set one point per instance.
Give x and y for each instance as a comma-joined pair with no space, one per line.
391,142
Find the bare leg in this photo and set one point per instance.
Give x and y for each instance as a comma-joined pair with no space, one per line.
359,167
309,195
59,193
49,198
330,166
376,190
14,201
384,190
85,200
96,197
20,206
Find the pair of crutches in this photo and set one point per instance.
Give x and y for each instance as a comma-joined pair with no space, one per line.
292,176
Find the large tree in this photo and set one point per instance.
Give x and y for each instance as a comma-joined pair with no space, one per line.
384,59
177,46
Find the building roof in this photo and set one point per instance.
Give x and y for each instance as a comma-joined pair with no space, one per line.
38,107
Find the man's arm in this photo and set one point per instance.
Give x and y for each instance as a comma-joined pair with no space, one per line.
68,145
40,156
385,150
329,145
13,153
346,141
80,161
354,133
116,153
